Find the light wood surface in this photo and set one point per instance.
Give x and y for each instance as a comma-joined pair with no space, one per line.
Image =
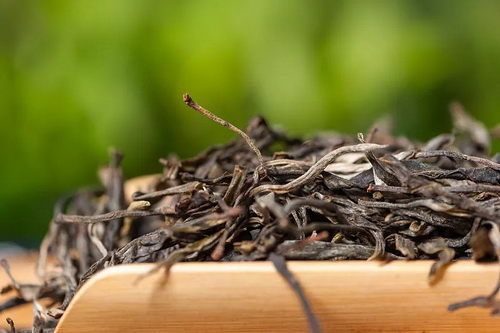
349,296
23,269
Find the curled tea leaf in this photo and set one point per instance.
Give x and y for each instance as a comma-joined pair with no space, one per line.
405,246
325,198
485,244
445,256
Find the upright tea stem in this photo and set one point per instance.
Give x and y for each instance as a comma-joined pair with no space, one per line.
193,105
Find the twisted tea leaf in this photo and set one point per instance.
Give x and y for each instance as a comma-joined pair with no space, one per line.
326,198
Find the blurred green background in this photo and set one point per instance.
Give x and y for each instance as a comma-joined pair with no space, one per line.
77,77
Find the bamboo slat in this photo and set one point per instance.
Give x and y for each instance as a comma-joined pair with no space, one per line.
349,296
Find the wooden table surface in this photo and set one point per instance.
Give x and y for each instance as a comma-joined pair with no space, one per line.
23,269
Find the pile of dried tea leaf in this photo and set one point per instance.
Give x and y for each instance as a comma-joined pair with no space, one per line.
328,198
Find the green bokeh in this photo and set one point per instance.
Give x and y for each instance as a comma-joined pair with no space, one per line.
77,77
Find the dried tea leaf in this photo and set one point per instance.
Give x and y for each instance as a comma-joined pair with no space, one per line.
490,301
236,185
326,198
405,246
11,324
25,291
478,133
445,256
280,265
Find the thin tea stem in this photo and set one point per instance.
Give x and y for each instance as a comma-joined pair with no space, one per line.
193,105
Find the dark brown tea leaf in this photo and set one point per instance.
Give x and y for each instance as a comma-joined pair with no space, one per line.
331,197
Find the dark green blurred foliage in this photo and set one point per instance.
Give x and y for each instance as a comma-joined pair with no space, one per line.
77,77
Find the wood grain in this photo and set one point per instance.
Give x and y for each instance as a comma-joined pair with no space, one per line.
350,296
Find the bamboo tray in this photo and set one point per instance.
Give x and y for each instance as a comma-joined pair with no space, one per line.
236,297
349,296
